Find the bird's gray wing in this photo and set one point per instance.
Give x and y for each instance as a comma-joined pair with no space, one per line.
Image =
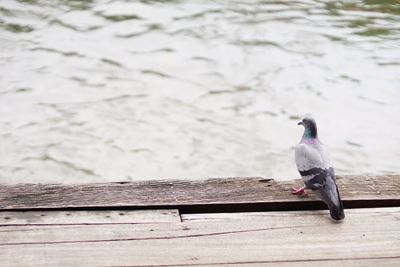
311,166
318,180
307,158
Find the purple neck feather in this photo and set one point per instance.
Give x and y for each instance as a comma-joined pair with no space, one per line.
309,141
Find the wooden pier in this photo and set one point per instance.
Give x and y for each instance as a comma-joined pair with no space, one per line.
215,222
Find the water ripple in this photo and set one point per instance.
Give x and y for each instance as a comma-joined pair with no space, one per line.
109,90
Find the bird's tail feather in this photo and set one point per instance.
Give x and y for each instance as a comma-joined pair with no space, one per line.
337,211
331,197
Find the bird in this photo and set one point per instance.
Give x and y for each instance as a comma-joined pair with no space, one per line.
313,163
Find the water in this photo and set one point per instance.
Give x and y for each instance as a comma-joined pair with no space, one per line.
128,90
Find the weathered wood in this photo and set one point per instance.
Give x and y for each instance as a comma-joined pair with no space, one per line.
310,238
231,194
87,217
386,262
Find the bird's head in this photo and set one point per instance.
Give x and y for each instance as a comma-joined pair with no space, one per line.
310,127
307,121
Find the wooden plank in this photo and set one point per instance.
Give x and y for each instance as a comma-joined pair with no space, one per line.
294,238
236,194
87,217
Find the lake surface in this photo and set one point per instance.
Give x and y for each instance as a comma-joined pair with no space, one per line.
129,90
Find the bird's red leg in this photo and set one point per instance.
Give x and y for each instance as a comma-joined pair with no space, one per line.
299,191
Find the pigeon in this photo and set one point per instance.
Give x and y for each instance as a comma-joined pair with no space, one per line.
314,166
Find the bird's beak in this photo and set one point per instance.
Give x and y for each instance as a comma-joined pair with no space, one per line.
300,123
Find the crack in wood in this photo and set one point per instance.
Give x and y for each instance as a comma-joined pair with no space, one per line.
158,238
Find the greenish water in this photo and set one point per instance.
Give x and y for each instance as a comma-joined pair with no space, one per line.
122,90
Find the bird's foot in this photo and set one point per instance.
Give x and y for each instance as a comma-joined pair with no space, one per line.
299,191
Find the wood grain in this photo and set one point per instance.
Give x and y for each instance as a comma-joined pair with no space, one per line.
212,195
292,238
87,217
